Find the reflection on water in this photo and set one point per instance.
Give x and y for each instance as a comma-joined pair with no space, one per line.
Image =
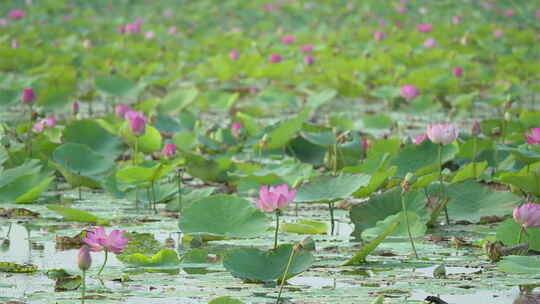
527,299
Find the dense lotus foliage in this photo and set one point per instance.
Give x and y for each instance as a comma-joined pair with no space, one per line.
285,151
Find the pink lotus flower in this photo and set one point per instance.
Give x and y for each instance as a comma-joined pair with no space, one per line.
172,30
169,150
149,35
131,114
442,133
382,23
476,129
132,28
15,44
456,19
272,198
401,10
28,96
309,60
420,139
527,215
275,58
509,13
306,48
16,14
379,35
138,126
533,138
38,127
234,54
87,43
487,4
120,110
236,127
457,71
75,108
84,260
288,39
267,7
498,34
364,143
50,122
424,28
430,43
408,92
537,14
98,240
398,24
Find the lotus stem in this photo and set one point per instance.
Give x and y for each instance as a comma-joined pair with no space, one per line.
83,290
404,208
179,180
474,156
332,221
154,197
442,184
277,229
135,151
521,230
283,279
29,137
104,262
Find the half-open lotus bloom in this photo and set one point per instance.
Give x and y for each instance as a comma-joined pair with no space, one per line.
84,260
236,127
457,71
131,114
527,215
442,133
121,110
420,139
16,14
272,198
306,48
98,240
275,58
408,92
476,129
138,126
309,60
424,28
50,122
234,54
38,127
533,138
288,39
169,151
28,96
430,43
379,35
498,34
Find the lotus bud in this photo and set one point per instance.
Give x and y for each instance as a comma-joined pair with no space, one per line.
457,72
28,96
408,92
138,126
75,108
527,215
235,129
234,54
507,116
442,133
275,58
50,122
475,130
308,60
169,151
84,259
